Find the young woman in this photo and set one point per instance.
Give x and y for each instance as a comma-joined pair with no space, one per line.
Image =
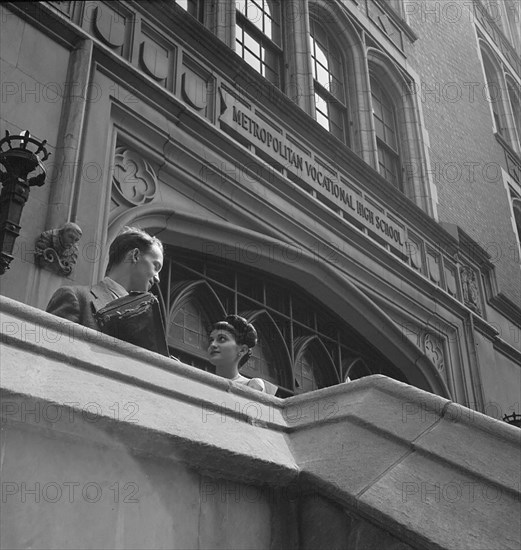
230,347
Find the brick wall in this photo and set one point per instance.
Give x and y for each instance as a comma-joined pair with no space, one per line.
465,156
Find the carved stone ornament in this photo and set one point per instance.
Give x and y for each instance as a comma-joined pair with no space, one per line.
194,90
110,26
434,351
57,249
434,267
134,179
154,61
469,285
450,279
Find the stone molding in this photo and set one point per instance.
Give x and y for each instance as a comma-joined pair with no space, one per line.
400,457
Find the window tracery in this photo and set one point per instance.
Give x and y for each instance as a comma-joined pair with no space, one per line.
302,345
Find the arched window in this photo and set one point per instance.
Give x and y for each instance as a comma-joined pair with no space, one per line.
262,363
306,371
387,138
314,366
516,206
399,151
355,368
187,331
502,94
191,308
329,82
302,345
270,352
493,92
515,104
258,36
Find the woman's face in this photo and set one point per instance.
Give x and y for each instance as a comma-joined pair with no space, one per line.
223,350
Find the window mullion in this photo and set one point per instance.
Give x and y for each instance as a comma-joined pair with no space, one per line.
328,96
257,34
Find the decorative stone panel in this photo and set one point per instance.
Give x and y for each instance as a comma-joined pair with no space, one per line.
433,349
433,265
110,26
197,87
134,181
451,279
157,57
414,248
470,288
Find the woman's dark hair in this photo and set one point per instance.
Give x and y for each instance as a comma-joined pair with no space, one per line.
130,238
243,332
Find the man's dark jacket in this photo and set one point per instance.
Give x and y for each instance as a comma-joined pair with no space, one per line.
80,303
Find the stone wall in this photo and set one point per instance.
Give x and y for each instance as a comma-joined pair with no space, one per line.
105,445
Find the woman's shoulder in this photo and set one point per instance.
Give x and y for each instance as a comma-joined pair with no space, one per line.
254,383
257,384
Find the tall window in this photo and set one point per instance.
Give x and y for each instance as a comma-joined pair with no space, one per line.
329,82
516,206
258,36
302,345
514,97
193,7
493,92
386,135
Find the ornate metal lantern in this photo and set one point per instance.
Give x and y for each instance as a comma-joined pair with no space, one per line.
19,162
513,419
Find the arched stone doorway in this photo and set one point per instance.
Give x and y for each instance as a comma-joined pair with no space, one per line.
226,244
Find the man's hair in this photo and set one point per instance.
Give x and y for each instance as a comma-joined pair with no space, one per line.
130,238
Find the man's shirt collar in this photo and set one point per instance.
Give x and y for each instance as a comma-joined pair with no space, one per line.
115,288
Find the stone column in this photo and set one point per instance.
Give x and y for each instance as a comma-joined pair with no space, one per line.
220,19
67,169
299,81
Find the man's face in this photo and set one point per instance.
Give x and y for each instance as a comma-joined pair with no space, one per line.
146,268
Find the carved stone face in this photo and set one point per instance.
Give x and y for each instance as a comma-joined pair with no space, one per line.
70,236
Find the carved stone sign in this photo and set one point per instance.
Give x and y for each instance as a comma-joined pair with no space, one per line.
295,159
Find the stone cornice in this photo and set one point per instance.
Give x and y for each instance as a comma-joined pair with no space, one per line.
510,310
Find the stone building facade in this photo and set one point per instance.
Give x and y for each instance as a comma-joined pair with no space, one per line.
346,174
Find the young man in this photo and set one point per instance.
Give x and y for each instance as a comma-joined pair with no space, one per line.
135,260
